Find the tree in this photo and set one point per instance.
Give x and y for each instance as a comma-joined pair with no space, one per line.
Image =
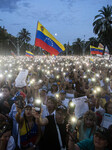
3,41
78,46
24,35
103,26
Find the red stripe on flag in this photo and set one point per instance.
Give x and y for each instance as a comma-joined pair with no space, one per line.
28,55
45,46
96,52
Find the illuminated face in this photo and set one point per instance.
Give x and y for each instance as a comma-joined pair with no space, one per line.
43,93
50,105
28,111
89,122
6,92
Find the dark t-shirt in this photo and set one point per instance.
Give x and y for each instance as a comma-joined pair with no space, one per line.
50,138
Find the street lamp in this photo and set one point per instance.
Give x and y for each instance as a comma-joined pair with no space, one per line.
17,46
83,47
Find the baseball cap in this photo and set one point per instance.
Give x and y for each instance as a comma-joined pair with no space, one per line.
62,108
62,92
19,94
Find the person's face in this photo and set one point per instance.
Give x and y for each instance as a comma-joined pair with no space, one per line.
60,117
43,93
99,142
50,105
28,111
89,122
54,87
6,92
62,95
6,136
70,85
109,109
51,80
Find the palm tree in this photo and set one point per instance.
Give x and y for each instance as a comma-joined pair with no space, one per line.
78,46
102,25
24,35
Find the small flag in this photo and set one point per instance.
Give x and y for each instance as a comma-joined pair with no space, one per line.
106,51
29,54
91,60
13,54
47,41
96,50
101,46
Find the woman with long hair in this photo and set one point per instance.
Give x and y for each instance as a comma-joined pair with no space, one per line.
29,130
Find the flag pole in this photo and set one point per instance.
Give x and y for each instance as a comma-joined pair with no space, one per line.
36,32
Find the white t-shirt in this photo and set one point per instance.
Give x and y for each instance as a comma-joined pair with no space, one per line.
65,102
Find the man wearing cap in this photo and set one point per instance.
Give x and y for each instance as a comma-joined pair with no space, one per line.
63,98
99,142
55,134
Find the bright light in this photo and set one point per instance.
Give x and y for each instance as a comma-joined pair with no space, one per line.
85,76
71,104
93,79
73,119
38,101
9,75
55,34
64,73
1,94
57,95
48,72
107,79
94,91
57,76
97,75
88,70
40,81
32,81
1,75
98,89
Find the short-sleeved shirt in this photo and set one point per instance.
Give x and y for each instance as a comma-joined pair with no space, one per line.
87,145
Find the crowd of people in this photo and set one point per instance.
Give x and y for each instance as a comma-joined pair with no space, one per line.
55,103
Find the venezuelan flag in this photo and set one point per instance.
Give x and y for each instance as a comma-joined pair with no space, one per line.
29,54
47,41
101,46
96,50
91,60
